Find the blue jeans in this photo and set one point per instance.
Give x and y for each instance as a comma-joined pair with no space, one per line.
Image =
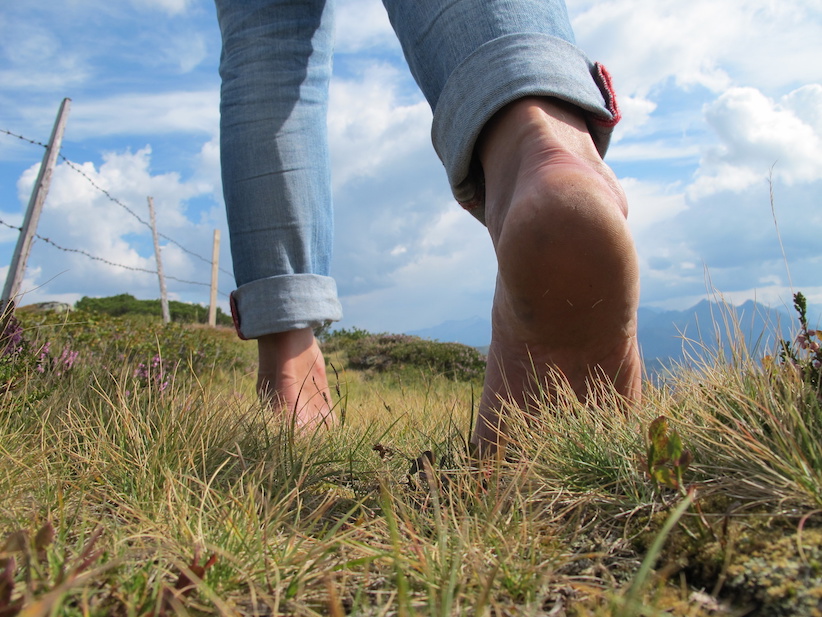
469,57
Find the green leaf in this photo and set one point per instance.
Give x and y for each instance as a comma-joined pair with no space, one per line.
674,446
663,476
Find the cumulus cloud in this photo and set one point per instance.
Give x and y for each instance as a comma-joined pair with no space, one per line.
368,126
451,277
651,150
651,203
635,114
79,217
389,187
806,103
757,134
717,232
729,242
702,42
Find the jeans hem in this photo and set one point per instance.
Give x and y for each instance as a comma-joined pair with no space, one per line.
504,70
282,303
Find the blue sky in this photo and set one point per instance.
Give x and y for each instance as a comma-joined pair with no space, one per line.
717,96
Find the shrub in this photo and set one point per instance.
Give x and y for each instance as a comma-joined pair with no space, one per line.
126,304
341,340
383,352
138,341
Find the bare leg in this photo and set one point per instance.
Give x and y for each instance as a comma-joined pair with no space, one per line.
568,285
292,377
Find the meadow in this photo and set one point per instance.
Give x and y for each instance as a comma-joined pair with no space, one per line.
140,476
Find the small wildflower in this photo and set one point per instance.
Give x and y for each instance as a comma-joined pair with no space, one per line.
11,338
68,358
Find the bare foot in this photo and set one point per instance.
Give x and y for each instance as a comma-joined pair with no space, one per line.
568,284
292,378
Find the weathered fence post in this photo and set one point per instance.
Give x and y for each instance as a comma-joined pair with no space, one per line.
215,263
158,259
17,268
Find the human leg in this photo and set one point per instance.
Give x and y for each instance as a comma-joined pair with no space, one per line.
275,67
521,119
567,284
291,376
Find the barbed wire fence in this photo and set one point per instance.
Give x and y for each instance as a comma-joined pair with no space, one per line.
77,169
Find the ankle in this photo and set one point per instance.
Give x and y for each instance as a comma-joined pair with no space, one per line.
561,123
536,149
278,348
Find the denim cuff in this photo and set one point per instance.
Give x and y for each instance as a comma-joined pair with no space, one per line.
504,70
286,302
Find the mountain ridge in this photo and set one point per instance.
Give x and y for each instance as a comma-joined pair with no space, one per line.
666,336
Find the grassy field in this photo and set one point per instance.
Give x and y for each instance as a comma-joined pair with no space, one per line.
140,476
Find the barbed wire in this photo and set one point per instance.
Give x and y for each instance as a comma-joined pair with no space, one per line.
20,137
76,168
107,262
113,199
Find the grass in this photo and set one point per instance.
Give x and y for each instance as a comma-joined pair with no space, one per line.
144,479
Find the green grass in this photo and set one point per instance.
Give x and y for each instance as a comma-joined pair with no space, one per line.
144,478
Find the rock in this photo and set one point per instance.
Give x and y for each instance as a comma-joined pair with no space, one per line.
48,307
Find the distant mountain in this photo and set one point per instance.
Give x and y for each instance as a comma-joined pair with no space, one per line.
666,337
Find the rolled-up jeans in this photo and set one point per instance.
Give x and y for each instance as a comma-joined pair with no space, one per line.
470,59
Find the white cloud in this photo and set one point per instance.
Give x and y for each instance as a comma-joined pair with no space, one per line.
34,59
147,114
452,276
368,126
651,150
170,7
207,173
79,217
806,103
701,42
756,134
734,237
635,114
389,188
186,51
651,203
361,25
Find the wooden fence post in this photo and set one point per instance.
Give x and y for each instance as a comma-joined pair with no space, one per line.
17,269
158,259
215,263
